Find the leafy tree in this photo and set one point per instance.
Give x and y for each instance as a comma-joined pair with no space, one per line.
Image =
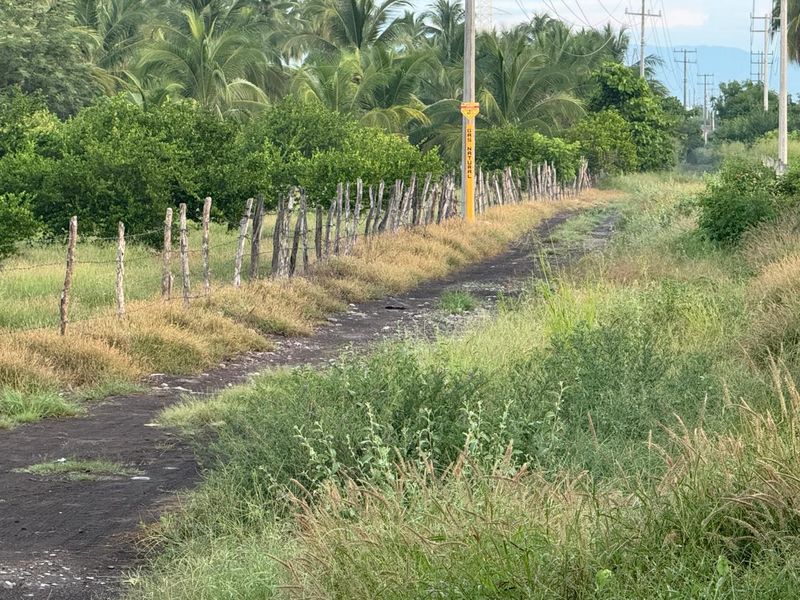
651,128
42,50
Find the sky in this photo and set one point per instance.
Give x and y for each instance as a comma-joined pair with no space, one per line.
684,22
710,26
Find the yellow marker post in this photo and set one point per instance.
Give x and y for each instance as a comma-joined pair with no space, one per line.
470,110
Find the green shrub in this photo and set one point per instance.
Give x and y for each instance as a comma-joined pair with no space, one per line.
606,142
17,222
510,146
741,196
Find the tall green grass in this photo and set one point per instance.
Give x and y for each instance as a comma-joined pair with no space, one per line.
608,435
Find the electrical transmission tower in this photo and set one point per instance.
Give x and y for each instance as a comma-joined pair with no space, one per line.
484,12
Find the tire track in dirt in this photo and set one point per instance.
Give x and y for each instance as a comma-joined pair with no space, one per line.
72,540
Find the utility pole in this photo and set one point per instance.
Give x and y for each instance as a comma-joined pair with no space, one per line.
762,57
783,102
706,83
469,110
644,14
686,62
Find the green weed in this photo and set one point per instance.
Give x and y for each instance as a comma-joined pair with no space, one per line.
18,407
458,302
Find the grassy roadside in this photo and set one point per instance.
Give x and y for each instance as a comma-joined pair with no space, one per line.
104,353
620,432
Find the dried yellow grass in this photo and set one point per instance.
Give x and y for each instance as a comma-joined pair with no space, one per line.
164,337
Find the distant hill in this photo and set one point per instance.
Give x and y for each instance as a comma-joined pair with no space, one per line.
727,64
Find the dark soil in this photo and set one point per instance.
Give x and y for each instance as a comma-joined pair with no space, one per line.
65,539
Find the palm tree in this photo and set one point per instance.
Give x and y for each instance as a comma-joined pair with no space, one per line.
117,26
524,86
794,26
353,24
445,28
376,87
209,52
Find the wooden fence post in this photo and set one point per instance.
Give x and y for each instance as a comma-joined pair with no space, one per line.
64,304
357,213
296,242
304,230
285,224
166,271
184,255
276,236
318,232
347,222
120,287
328,225
255,242
379,222
206,246
337,233
243,224
371,213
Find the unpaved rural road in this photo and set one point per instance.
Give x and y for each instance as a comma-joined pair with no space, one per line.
73,540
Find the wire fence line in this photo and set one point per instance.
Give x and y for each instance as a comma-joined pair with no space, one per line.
356,213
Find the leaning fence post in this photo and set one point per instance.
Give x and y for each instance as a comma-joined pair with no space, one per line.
206,247
184,255
64,304
166,272
318,232
255,242
243,224
120,287
276,236
298,232
304,231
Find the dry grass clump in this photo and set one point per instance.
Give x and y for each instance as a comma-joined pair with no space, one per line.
261,306
80,361
772,241
21,369
775,298
778,282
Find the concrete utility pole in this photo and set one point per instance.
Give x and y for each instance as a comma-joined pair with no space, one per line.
706,127
686,62
783,102
762,58
644,14
469,110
